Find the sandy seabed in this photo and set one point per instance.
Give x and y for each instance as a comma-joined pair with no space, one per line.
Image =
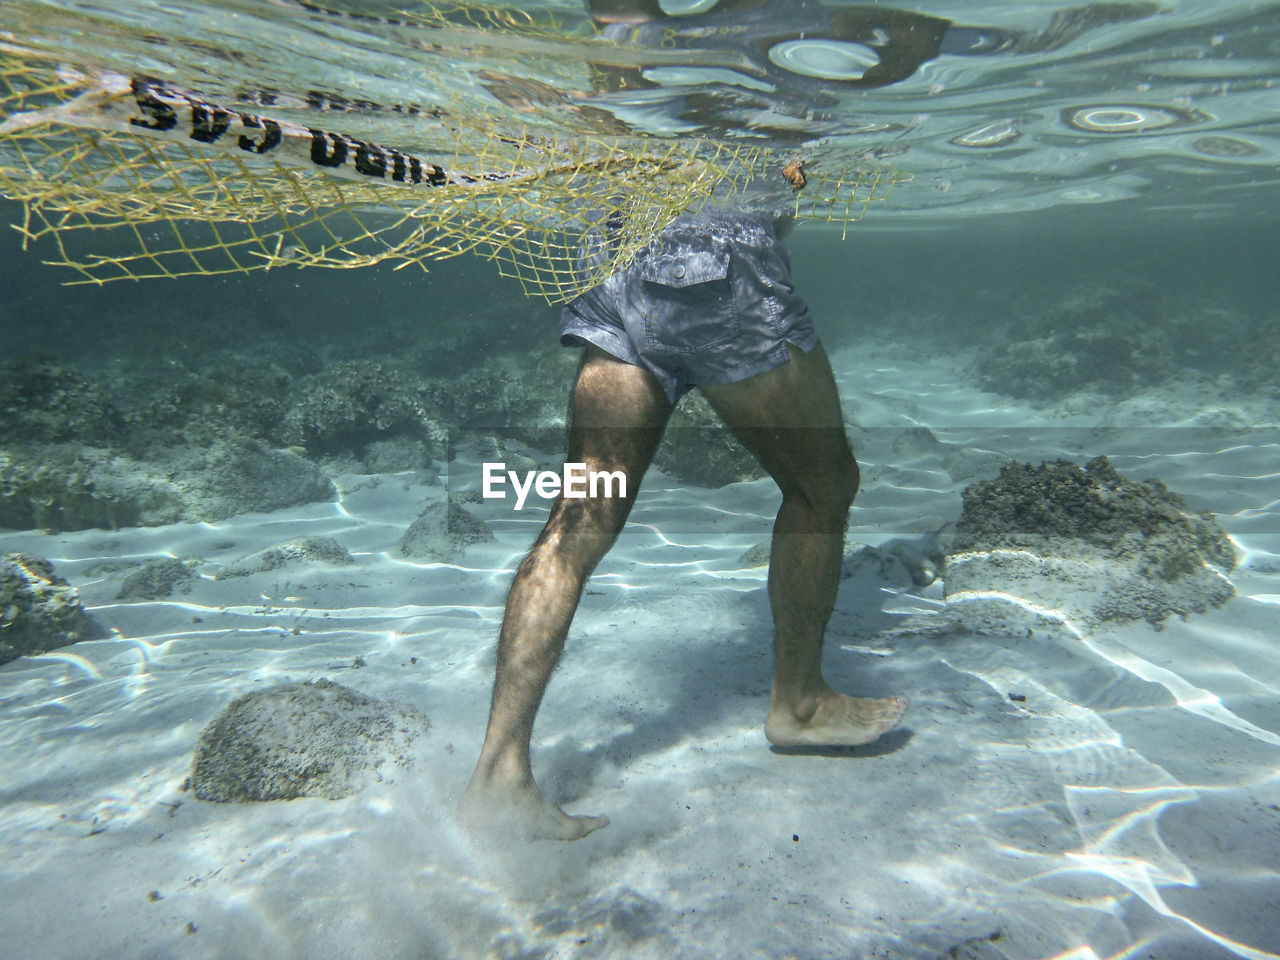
1127,807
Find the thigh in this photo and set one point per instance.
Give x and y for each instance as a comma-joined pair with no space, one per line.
790,419
618,415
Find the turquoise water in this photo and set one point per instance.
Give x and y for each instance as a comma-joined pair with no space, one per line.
1083,263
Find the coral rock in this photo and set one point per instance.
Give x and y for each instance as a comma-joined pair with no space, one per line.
302,740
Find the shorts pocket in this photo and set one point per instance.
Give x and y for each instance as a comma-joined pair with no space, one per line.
686,299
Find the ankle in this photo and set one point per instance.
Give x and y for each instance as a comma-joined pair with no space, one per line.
794,703
502,767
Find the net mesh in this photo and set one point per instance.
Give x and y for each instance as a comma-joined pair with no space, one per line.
558,214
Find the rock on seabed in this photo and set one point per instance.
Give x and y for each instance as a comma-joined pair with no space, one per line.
304,739
1082,545
38,609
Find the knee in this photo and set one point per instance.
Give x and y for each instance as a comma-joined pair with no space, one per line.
843,487
851,480
578,534
831,493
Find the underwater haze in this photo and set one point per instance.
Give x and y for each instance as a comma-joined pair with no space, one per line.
1054,341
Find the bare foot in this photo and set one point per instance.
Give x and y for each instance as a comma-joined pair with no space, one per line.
836,721
520,812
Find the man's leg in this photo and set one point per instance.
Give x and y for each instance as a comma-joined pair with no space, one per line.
790,419
619,412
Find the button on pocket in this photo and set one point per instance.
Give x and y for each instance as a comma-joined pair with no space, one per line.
686,299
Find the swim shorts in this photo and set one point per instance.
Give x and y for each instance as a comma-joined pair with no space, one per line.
710,301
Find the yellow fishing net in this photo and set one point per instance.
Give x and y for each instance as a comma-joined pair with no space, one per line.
164,193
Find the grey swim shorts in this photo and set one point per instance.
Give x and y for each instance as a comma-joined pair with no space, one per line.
710,301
